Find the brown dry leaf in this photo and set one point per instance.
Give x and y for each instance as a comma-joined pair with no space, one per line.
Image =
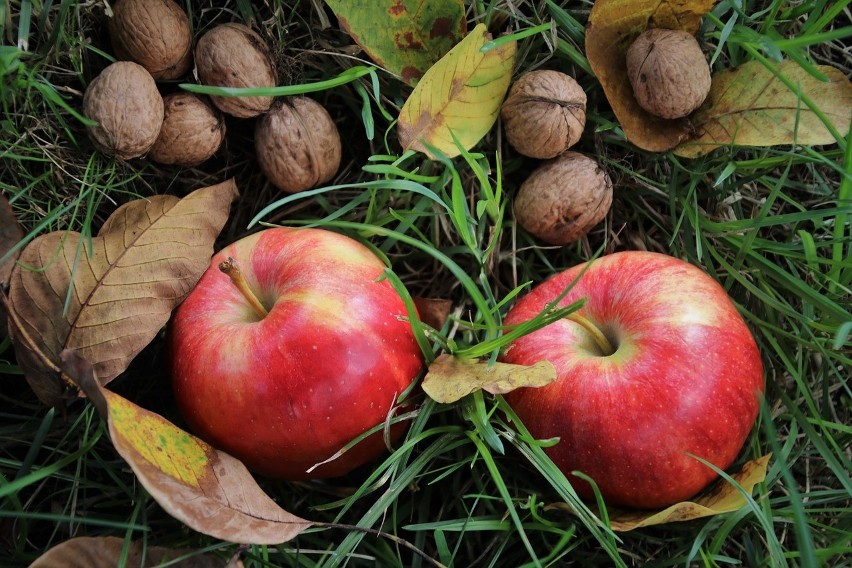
751,106
721,497
11,233
433,312
206,489
450,379
123,283
613,25
107,552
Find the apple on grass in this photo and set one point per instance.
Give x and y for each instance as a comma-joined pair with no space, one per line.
657,367
290,346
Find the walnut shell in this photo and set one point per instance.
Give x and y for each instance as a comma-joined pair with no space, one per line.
668,72
297,144
192,131
125,103
544,113
154,34
563,199
233,55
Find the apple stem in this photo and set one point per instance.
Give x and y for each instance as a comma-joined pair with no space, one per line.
594,330
229,267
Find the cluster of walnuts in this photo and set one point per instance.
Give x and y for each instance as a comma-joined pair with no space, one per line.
544,115
296,141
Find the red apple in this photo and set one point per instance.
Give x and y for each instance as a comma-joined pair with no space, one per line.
657,365
285,390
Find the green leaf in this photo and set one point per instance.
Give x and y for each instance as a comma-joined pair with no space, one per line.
459,98
406,37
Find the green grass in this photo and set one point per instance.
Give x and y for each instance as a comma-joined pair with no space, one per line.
464,486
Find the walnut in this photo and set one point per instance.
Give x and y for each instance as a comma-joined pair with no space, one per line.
297,144
563,199
668,72
154,34
544,113
233,55
125,103
192,131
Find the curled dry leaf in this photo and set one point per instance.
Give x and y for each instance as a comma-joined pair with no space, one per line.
206,489
459,96
405,37
450,379
721,497
10,234
433,312
752,106
613,25
120,286
108,552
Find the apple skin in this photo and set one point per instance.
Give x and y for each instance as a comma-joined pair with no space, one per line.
326,364
686,377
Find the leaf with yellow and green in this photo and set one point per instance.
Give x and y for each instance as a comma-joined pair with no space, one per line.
406,37
754,105
613,25
206,489
721,497
111,551
108,296
458,100
450,378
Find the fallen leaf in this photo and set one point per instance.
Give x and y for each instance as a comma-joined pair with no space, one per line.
206,489
721,497
613,25
107,552
119,286
450,379
751,106
434,312
406,37
11,233
458,96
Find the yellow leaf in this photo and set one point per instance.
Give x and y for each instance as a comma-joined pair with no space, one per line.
458,96
752,106
613,25
206,489
450,379
722,497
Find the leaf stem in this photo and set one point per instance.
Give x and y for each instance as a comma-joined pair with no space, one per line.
595,331
229,267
